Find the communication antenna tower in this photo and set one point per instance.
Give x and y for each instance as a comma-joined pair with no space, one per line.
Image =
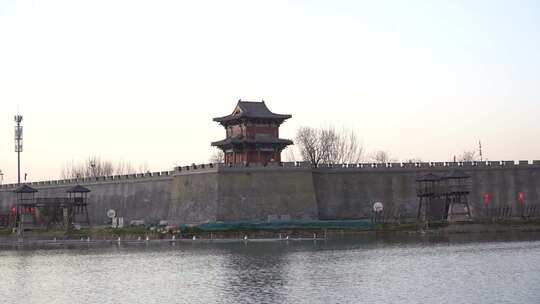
18,144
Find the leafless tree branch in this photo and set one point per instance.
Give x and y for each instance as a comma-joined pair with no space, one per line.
95,166
382,157
217,156
326,145
468,156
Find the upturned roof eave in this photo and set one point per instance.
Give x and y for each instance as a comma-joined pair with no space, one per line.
228,118
279,141
78,189
251,110
25,189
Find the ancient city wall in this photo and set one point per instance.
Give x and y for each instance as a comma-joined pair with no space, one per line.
135,196
266,193
348,192
194,195
295,191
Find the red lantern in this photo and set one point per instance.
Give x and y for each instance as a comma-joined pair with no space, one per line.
521,197
487,198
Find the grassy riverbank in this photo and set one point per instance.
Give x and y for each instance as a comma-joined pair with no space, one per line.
250,231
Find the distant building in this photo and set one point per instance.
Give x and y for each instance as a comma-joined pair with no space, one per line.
252,134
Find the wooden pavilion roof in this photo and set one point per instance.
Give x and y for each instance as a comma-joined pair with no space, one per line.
78,189
25,189
253,110
430,177
245,140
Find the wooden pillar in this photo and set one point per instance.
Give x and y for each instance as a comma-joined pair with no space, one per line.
419,209
20,227
86,213
468,208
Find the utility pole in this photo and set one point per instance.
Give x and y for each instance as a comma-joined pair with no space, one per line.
480,150
18,144
1,176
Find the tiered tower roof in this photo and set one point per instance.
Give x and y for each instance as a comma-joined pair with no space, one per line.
251,110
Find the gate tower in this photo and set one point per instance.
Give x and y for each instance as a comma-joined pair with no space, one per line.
252,134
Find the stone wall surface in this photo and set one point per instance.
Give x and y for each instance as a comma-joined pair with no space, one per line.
294,191
194,197
144,198
266,193
350,193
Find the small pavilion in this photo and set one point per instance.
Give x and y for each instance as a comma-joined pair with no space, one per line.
25,211
79,203
47,212
457,189
439,195
428,191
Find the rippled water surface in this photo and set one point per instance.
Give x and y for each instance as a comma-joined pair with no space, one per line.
355,270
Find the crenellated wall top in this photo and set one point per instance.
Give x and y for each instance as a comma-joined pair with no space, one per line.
443,165
221,167
95,180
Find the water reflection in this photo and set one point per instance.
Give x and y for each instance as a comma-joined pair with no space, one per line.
254,273
386,269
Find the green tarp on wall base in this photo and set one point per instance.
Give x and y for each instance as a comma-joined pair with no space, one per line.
364,224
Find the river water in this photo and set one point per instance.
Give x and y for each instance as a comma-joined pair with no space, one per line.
463,269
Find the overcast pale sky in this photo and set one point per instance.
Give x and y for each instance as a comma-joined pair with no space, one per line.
140,81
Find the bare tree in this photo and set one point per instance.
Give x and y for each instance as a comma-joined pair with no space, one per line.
346,147
307,140
414,160
124,167
144,167
218,156
382,157
68,171
468,156
326,145
95,166
289,155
